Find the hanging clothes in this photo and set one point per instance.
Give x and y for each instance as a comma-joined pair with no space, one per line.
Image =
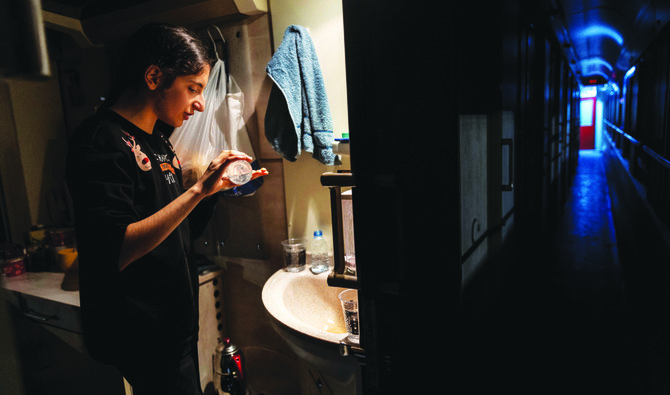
298,115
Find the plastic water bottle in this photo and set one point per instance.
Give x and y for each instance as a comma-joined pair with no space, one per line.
319,253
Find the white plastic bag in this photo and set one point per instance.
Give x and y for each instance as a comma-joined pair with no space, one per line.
197,141
220,127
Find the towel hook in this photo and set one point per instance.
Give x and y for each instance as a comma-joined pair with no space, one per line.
213,41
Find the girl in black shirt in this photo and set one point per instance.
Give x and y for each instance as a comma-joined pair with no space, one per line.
138,289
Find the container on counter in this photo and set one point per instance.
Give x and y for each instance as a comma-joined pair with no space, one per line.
37,249
60,239
320,258
12,260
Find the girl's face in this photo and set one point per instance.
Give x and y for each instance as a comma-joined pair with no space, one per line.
178,102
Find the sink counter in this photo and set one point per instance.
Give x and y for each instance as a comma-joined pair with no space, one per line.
39,300
45,285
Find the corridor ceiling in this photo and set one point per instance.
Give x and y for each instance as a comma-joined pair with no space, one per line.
603,39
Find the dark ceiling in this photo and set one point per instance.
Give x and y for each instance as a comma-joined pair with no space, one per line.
602,39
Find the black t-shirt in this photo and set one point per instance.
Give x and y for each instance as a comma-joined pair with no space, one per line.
117,175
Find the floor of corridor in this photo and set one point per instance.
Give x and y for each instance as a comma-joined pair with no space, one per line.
566,324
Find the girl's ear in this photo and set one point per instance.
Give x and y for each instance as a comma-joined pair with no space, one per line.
152,77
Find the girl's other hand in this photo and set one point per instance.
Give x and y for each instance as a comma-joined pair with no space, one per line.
212,180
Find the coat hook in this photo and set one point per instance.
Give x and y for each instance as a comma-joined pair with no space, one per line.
214,41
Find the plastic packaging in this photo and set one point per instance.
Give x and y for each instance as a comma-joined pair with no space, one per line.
319,248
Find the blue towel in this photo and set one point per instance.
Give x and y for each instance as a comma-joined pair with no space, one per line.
298,115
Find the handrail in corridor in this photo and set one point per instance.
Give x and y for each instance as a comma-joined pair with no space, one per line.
660,159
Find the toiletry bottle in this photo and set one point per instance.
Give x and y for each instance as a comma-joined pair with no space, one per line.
319,253
228,367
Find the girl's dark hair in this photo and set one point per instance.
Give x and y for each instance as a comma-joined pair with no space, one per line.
175,50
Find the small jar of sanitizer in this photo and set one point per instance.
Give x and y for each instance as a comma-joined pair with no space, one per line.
238,172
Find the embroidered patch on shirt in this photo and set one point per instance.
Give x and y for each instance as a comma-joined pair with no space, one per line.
140,157
167,167
175,160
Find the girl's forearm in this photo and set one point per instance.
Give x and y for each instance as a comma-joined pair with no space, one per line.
145,235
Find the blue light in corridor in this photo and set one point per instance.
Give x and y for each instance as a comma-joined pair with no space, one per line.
602,30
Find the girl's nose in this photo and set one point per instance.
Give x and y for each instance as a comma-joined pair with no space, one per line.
199,104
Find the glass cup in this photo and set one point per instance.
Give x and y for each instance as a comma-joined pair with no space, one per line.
295,254
349,301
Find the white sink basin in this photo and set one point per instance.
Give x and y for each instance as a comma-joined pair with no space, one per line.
307,314
305,303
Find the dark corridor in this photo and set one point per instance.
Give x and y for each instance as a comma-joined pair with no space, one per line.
586,271
568,321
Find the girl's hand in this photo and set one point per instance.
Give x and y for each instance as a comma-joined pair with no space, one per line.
212,180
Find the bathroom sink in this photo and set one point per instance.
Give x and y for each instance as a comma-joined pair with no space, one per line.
306,313
305,303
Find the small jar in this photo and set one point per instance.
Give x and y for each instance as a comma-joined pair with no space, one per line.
12,260
238,172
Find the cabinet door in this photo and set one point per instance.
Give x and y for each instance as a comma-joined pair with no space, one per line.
51,365
48,312
211,325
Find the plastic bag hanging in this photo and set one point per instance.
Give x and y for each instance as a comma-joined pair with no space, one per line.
220,127
235,135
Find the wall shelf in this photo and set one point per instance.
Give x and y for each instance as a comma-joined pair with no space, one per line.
118,21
